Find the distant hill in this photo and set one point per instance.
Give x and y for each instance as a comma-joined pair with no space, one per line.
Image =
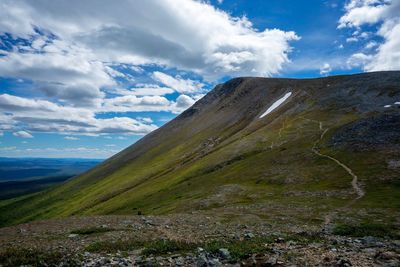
316,144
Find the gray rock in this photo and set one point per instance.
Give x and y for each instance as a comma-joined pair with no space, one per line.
201,261
341,262
368,240
249,235
271,261
224,253
180,261
214,263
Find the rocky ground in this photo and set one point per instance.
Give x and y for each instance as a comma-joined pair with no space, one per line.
197,239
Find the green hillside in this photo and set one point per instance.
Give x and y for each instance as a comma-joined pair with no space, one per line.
332,145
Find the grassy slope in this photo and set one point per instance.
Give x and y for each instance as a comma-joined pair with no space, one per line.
182,174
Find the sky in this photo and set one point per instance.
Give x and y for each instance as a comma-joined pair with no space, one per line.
86,79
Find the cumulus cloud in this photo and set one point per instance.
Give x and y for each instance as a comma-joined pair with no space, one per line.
199,37
36,115
325,69
371,45
44,116
184,101
177,83
23,134
133,103
74,55
60,71
144,90
385,13
359,60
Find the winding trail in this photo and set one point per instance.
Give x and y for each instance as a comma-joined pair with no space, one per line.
354,183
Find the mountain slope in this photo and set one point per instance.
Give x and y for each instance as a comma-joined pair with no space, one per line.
219,155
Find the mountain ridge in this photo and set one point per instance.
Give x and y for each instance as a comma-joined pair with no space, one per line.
219,153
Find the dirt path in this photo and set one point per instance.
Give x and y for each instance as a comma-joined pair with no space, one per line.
354,183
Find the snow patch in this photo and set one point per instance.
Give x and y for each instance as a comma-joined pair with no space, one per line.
276,104
387,106
397,103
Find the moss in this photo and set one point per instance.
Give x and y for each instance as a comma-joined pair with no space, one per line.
365,229
33,257
240,249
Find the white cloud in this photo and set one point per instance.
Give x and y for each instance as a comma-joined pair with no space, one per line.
133,103
325,69
358,60
44,116
190,35
184,101
85,48
386,13
60,71
72,138
146,90
359,12
23,134
177,83
371,45
146,119
351,39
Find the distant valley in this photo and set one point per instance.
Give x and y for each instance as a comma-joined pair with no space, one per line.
20,176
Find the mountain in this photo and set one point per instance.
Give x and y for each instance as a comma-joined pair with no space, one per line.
302,149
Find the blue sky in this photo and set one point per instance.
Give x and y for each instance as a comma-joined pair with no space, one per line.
88,78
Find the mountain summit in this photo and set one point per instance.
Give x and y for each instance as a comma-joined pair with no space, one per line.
303,149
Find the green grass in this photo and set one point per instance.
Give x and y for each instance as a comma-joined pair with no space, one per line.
31,257
239,249
365,229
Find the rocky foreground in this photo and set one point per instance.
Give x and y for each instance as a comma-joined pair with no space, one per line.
194,240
